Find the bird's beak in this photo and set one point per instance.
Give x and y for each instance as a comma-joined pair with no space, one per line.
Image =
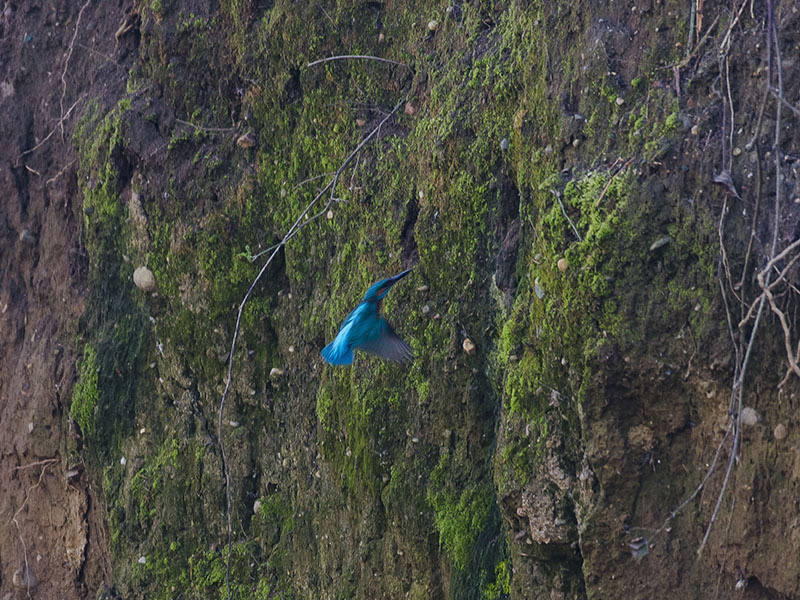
398,277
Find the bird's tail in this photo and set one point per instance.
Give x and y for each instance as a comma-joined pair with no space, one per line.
337,354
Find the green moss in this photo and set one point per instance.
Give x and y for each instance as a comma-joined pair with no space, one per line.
436,187
460,515
501,586
85,394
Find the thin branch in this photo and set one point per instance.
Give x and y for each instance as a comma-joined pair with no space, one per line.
682,63
358,56
699,488
608,184
52,131
66,64
310,179
207,129
738,385
299,223
46,463
787,339
781,275
566,216
61,171
783,100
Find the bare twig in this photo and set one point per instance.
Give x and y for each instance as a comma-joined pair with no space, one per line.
783,100
738,385
310,179
608,183
45,464
52,131
698,489
207,129
301,221
781,276
790,355
682,63
66,64
566,216
60,172
46,461
726,40
357,56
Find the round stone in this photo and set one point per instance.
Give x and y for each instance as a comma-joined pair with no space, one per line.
144,279
749,416
468,346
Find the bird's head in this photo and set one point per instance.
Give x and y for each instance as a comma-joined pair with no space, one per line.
379,289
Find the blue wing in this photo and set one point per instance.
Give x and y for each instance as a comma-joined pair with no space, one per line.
387,344
337,355
340,350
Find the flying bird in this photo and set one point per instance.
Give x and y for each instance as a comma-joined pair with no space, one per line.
365,329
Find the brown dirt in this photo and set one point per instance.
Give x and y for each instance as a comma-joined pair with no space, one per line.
50,515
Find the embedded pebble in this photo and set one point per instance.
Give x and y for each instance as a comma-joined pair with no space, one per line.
433,25
537,289
422,288
504,144
410,110
620,100
361,122
468,346
662,241
26,237
6,89
548,149
780,431
123,461
381,37
142,560
24,578
257,506
144,279
426,309
695,130
737,151
291,348
329,216
749,416
562,264
275,372
246,140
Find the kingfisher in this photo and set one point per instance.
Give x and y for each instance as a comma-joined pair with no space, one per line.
365,329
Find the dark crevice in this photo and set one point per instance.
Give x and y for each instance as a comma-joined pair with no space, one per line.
410,251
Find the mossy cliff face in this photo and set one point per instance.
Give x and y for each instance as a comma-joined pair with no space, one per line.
546,186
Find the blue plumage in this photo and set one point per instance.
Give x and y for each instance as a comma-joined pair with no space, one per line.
366,330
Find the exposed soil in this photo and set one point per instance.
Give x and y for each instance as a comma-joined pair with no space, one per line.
50,516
